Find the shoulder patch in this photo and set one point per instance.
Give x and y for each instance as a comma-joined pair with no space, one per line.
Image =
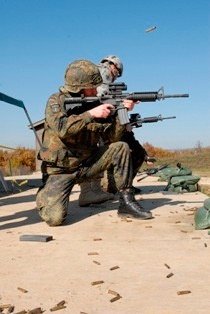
55,107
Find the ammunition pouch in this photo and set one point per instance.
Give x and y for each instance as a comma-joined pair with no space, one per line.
59,158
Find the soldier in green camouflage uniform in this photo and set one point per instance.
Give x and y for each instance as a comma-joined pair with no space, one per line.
70,152
100,190
111,68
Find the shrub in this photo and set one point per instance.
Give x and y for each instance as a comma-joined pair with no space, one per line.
18,161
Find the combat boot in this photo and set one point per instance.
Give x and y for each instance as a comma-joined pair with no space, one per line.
97,189
88,196
136,190
129,207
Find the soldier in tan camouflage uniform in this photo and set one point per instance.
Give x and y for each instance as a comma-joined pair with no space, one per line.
70,152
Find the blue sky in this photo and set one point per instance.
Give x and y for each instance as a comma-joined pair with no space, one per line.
39,38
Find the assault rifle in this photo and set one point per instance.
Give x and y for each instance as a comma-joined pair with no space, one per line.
151,171
136,120
116,98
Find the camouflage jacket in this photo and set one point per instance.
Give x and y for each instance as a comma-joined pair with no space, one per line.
70,139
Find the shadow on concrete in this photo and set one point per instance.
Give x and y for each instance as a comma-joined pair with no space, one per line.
154,203
150,189
77,213
17,199
28,217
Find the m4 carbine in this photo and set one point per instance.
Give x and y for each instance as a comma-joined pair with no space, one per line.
136,120
151,171
116,98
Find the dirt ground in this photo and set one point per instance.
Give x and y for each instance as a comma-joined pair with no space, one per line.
97,263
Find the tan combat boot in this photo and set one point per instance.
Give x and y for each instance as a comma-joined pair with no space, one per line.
89,196
97,188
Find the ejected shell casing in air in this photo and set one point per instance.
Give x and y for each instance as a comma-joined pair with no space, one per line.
150,29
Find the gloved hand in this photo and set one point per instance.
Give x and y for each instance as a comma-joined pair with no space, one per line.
150,159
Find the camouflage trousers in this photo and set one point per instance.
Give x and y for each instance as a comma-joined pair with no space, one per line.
53,196
137,156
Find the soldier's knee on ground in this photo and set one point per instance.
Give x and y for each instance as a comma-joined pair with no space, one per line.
54,214
52,217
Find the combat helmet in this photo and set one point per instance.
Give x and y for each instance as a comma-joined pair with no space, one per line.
202,216
82,74
116,61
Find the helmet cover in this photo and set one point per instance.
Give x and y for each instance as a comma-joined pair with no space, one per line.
116,61
82,74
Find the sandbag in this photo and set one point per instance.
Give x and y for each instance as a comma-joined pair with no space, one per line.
184,180
168,172
183,184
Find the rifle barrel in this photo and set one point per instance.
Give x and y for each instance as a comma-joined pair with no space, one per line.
175,96
168,118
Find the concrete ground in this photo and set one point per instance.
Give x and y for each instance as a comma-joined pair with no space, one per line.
98,263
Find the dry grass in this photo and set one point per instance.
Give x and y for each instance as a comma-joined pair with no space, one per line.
197,160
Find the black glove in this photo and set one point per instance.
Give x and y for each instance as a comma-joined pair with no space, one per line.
150,159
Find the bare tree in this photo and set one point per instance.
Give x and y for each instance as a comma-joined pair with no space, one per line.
198,146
